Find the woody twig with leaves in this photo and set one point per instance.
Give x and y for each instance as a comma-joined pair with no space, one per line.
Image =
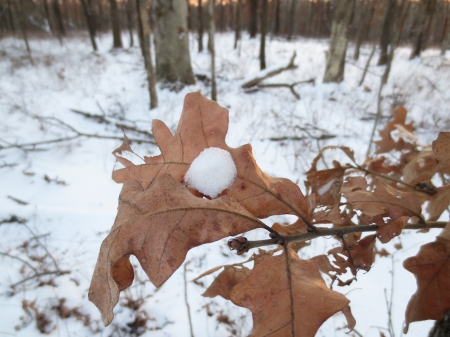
161,217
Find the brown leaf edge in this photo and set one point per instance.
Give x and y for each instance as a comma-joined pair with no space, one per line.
159,236
431,268
287,295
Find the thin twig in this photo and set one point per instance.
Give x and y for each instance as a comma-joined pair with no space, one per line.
56,272
186,301
367,64
19,259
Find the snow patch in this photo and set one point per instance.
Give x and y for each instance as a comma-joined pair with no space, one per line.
211,172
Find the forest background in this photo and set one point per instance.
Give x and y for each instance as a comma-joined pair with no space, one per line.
297,76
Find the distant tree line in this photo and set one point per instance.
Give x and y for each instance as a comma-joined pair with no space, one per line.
386,23
286,18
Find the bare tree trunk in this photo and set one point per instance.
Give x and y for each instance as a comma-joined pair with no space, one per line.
427,12
212,50
48,17
59,20
335,65
237,23
276,25
200,26
130,21
22,25
222,18
9,16
364,28
90,23
445,43
262,49
173,62
291,22
115,23
253,28
144,22
390,15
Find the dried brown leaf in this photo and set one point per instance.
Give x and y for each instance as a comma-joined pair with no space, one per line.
387,143
226,280
390,224
384,195
439,202
287,297
204,123
441,148
159,225
326,185
431,267
421,167
348,152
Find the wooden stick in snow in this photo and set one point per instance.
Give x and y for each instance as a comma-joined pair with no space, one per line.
263,75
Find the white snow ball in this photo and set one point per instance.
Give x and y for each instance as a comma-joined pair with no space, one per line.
211,172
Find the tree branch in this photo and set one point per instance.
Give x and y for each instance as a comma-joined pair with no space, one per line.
263,75
242,246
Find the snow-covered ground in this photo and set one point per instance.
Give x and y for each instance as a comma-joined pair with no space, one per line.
65,200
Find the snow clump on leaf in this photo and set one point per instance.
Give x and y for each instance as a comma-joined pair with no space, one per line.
211,172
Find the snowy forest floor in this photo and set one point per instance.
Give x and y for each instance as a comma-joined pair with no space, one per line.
58,200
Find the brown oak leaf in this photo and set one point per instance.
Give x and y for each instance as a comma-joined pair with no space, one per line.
159,225
203,124
421,167
431,267
439,202
226,280
326,185
387,143
360,255
384,195
287,296
441,148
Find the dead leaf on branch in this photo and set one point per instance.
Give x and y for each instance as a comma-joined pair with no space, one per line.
159,225
387,207
203,124
348,152
439,202
441,148
387,143
421,167
226,280
326,185
359,255
431,267
287,296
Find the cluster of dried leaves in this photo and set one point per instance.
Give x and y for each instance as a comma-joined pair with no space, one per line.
160,219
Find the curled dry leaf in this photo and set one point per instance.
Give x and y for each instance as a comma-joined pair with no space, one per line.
441,148
387,143
384,195
439,202
226,280
287,296
203,124
159,225
421,167
431,267
348,152
326,185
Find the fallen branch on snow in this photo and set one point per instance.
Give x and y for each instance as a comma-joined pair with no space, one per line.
262,75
